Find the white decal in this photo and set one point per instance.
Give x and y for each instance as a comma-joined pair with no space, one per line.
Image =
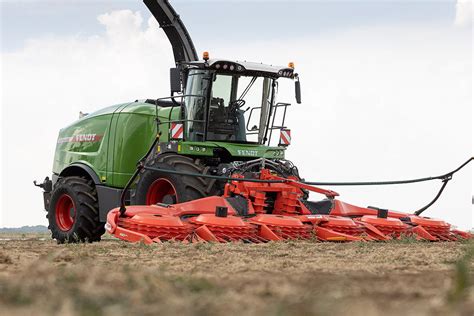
245,152
80,138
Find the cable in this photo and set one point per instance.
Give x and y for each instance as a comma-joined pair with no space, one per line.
141,165
421,210
446,177
441,177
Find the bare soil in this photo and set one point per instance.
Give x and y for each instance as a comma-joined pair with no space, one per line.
39,277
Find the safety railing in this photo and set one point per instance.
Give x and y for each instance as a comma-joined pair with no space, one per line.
183,113
275,108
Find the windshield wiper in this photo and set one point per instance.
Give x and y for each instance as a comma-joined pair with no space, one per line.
247,88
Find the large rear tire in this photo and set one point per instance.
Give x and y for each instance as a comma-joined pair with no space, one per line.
73,213
161,187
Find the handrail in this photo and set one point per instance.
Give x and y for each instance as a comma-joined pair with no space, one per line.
279,104
172,108
250,132
272,127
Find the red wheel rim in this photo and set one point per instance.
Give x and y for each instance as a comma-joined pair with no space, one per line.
65,212
158,190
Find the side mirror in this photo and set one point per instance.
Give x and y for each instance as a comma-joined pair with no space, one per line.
175,80
298,90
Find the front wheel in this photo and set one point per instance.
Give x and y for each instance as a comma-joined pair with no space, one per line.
161,187
73,213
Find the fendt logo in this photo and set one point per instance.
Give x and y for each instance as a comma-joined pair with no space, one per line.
80,138
245,152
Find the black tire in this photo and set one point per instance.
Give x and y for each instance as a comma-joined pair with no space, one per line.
76,197
187,188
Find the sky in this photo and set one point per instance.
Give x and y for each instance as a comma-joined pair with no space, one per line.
387,87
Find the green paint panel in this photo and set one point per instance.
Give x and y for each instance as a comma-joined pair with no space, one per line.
113,139
85,141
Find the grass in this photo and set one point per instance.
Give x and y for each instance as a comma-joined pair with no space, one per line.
276,278
407,239
463,275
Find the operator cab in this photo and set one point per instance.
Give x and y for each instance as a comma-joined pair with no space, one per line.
233,101
220,100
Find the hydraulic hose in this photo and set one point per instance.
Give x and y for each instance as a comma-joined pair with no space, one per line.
140,167
441,177
444,177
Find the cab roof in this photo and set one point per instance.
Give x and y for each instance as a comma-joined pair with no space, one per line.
244,67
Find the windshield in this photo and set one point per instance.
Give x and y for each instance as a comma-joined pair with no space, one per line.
236,108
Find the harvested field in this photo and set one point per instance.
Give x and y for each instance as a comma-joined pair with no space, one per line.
39,277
